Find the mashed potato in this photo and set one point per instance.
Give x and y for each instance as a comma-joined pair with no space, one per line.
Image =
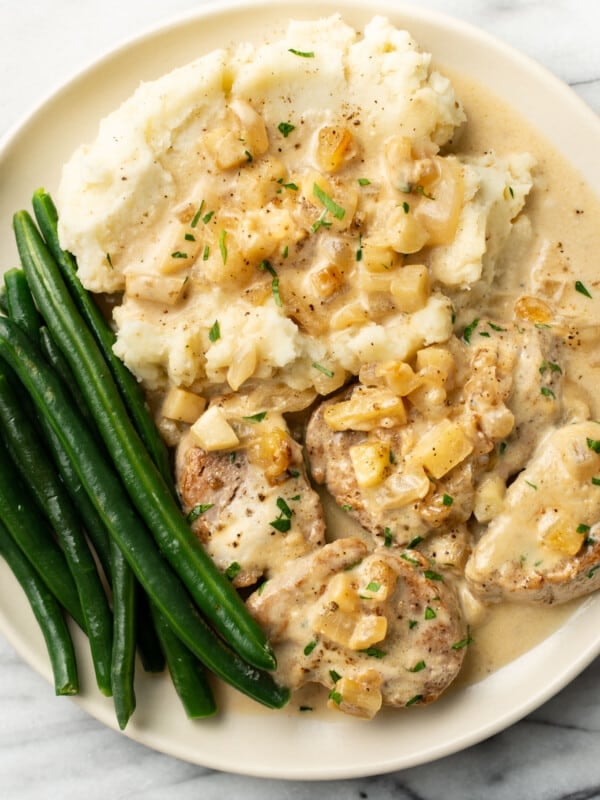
286,212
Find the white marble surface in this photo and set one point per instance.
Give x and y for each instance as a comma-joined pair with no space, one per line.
49,748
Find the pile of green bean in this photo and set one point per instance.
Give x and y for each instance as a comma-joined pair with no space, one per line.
89,519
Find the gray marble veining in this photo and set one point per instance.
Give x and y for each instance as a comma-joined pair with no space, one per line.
49,748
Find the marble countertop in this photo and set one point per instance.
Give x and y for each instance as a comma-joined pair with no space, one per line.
49,748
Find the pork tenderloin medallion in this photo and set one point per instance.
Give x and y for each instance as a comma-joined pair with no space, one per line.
375,628
250,523
544,546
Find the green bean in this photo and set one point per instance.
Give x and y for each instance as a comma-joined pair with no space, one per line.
131,392
210,589
186,672
149,646
48,614
59,363
35,538
123,654
38,472
21,306
106,491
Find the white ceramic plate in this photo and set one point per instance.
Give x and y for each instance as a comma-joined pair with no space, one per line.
245,738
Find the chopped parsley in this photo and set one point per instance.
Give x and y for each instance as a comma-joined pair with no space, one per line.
223,246
215,332
197,215
285,128
532,485
335,676
374,652
198,510
596,481
387,537
266,266
593,444
310,647
420,665
189,237
432,576
547,392
414,542
583,528
405,207
373,586
412,623
179,254
410,560
284,508
468,331
232,570
256,417
328,372
581,288
495,327
359,251
447,500
205,253
109,260
321,222
335,697
416,699
207,217
301,53
430,613
346,507
284,521
550,365
364,182
330,204
463,642
281,524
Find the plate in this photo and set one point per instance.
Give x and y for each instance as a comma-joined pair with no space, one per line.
245,738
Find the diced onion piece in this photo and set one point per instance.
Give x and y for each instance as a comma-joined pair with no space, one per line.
271,451
441,204
380,581
213,432
368,408
342,592
369,630
564,537
489,498
533,309
254,131
376,258
327,280
242,367
410,288
335,624
442,448
371,461
335,147
403,488
405,233
435,364
182,406
179,252
356,698
155,288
